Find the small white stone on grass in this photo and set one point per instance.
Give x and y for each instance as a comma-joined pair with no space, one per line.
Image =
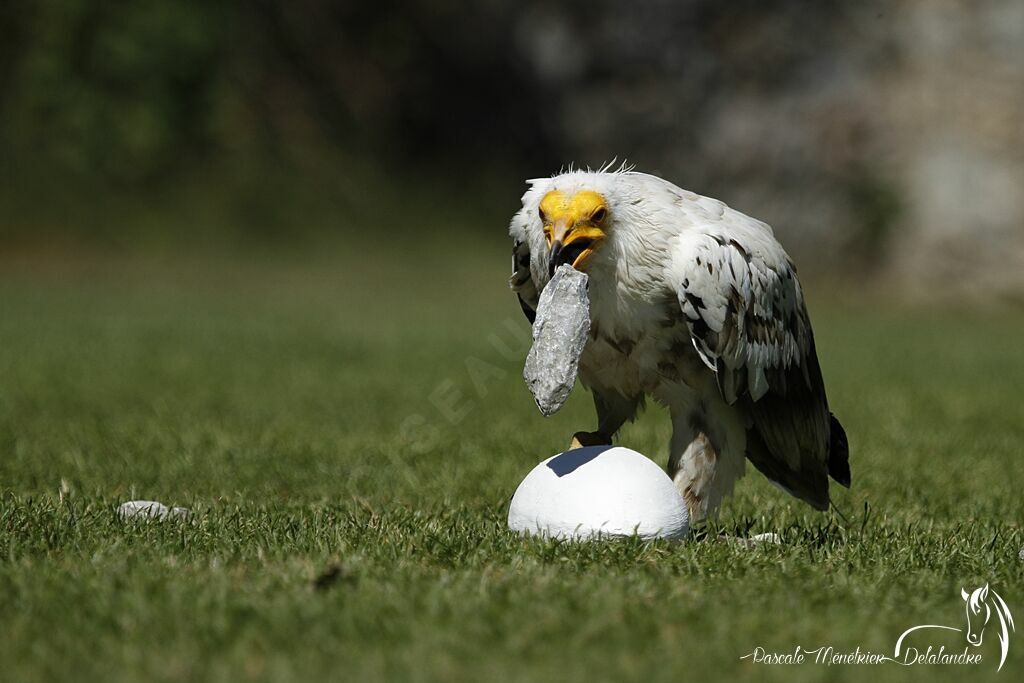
149,509
768,538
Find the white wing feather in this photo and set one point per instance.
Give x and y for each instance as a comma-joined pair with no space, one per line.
743,303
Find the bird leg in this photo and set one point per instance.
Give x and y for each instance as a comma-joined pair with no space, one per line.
693,470
583,439
613,410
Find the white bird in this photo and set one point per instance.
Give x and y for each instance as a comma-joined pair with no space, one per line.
697,306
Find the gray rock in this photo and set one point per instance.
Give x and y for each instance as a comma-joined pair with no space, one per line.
559,334
148,509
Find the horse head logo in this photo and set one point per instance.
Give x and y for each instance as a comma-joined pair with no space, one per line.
978,613
980,605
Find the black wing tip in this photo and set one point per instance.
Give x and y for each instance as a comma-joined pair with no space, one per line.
530,314
838,453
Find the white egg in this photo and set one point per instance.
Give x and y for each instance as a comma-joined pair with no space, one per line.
598,491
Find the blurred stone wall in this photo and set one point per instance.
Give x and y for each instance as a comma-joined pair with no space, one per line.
953,122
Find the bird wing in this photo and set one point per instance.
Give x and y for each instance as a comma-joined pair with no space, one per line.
529,253
746,316
521,282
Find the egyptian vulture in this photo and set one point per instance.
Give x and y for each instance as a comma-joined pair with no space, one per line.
697,306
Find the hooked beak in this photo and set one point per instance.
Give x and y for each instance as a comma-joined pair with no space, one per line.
556,258
572,246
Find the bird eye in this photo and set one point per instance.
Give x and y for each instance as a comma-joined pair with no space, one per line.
599,215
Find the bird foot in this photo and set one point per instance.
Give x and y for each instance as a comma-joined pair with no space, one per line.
583,439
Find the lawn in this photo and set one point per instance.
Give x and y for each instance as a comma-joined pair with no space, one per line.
347,431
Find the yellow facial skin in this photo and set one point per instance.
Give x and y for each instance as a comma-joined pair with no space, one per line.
573,220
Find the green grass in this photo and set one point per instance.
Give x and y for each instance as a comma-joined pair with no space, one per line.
361,420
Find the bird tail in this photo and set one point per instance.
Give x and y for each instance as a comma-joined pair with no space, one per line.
838,452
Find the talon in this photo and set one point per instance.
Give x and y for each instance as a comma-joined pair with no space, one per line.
583,439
